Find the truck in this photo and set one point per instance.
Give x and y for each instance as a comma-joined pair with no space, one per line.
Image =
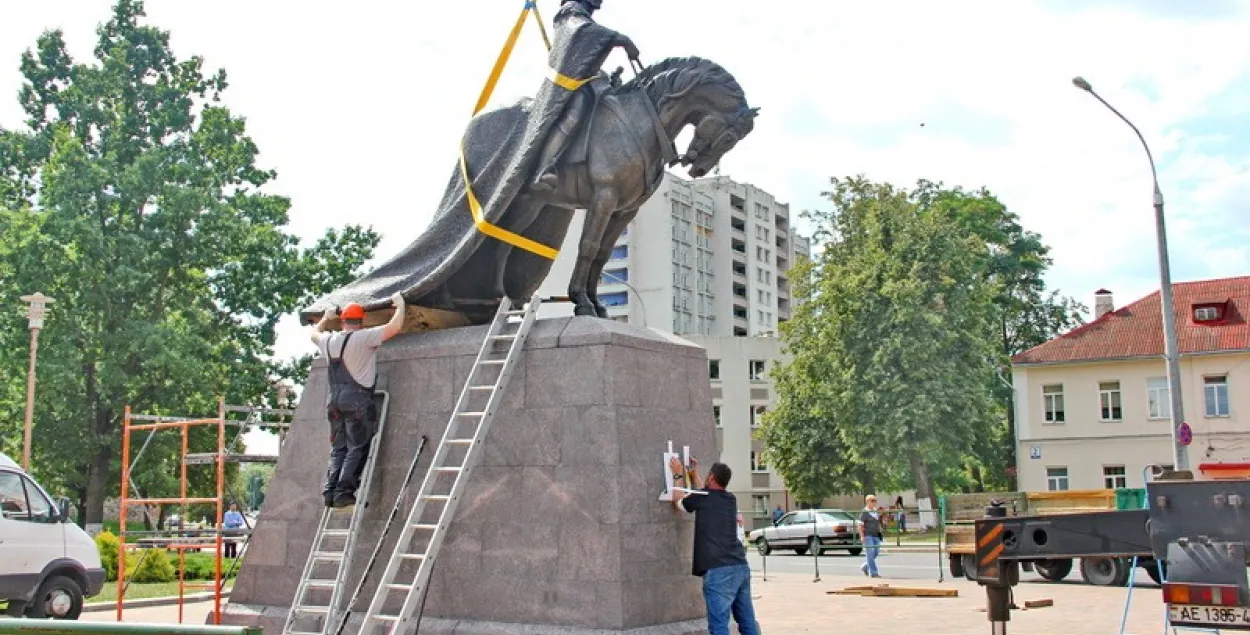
1194,530
961,511
48,565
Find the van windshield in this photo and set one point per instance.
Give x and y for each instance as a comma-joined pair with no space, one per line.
21,500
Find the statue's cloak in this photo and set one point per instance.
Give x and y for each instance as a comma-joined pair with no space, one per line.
453,265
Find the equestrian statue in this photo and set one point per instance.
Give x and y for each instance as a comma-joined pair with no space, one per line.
585,141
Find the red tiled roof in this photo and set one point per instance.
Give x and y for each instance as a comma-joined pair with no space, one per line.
1137,329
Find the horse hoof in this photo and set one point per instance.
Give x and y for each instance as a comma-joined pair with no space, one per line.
601,311
585,310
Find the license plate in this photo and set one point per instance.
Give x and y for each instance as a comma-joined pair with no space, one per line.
1209,615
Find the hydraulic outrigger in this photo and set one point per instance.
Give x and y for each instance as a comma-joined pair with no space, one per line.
1196,530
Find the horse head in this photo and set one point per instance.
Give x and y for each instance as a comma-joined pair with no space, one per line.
698,92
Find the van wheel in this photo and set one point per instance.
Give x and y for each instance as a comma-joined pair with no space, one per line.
59,598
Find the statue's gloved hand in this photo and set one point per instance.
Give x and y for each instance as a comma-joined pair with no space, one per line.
631,50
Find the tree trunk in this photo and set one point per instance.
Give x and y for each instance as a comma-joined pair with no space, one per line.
924,480
1013,458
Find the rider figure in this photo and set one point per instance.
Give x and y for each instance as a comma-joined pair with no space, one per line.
578,50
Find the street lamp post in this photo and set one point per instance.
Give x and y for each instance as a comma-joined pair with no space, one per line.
1180,451
34,314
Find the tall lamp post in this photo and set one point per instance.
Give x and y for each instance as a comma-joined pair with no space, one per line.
1180,450
35,314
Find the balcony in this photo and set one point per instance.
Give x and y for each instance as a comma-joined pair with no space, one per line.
738,246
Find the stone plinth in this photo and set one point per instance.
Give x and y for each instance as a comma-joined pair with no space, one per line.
560,529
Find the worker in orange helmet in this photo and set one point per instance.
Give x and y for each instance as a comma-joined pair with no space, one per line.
352,357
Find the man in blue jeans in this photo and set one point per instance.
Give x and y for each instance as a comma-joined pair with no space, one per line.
718,556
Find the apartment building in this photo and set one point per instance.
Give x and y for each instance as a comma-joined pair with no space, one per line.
707,259
1093,405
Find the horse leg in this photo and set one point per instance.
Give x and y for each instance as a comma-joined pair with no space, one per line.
615,226
523,211
598,214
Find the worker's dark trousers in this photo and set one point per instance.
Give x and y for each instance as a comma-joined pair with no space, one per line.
350,434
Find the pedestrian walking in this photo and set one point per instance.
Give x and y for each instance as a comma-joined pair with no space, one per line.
870,535
719,558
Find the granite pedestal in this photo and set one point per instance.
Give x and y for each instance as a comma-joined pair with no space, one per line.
560,529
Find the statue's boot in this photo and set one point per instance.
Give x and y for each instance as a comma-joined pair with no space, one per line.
547,179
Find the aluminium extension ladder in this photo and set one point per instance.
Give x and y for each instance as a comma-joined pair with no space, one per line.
455,457
331,550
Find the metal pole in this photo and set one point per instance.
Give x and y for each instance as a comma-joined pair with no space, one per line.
1180,453
30,398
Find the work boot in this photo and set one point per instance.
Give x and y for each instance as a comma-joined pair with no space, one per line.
344,499
329,496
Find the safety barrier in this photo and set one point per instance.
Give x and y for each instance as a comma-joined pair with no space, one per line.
9,625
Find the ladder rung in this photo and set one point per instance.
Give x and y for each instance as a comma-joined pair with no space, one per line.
425,526
319,610
322,584
490,387
412,556
448,469
468,441
472,414
399,587
437,497
336,532
511,336
327,555
516,312
493,362
302,633
386,618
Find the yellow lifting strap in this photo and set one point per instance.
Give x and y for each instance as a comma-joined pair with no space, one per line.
475,207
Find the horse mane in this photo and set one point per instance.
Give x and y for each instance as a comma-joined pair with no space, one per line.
674,77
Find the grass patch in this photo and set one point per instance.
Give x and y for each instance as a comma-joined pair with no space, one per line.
138,591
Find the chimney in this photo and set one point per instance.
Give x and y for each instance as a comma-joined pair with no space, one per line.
1103,304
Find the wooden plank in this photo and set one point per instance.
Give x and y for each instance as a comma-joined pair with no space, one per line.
1037,604
885,590
416,319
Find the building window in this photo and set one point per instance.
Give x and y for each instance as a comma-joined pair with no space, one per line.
1113,477
1158,398
759,503
1109,401
614,299
1057,479
620,251
757,462
756,370
716,415
1215,391
713,369
1052,400
757,415
614,276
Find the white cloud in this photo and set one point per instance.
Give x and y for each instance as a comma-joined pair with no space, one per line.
360,109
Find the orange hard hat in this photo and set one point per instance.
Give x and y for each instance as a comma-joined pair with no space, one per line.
352,311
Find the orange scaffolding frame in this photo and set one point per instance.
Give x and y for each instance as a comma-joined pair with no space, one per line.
159,423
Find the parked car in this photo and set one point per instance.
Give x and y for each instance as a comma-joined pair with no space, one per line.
48,565
815,530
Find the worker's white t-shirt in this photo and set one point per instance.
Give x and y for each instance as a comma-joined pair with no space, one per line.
359,358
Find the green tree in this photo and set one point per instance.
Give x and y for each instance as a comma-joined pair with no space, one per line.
1024,313
891,345
142,212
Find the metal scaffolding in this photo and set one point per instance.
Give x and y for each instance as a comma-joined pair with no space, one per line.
182,539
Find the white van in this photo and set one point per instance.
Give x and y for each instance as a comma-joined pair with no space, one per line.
48,565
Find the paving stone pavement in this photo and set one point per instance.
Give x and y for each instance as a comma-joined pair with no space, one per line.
791,603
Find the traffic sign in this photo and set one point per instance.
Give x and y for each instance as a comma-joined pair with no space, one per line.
1186,433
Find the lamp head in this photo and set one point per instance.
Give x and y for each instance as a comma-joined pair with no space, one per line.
1080,82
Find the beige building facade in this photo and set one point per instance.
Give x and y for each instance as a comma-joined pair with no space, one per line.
1093,405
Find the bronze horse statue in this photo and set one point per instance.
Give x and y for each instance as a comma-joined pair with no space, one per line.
615,163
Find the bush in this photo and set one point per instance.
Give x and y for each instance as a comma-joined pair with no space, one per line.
107,543
150,565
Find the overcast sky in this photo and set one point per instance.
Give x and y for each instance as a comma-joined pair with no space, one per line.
360,106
